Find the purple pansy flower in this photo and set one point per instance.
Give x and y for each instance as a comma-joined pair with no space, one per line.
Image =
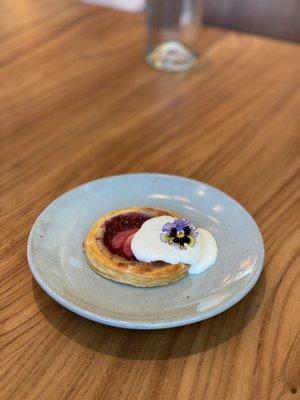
181,232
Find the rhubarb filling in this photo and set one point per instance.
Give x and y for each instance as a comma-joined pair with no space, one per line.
119,232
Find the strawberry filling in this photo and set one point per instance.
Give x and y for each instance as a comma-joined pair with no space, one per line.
119,232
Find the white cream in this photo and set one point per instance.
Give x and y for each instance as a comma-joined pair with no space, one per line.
147,246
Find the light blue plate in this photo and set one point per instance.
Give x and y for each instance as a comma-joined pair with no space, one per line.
58,264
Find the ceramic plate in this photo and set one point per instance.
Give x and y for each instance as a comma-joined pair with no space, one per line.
57,262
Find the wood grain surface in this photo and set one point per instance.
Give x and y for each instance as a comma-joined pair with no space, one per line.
79,103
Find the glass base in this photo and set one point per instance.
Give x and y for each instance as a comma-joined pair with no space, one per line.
171,56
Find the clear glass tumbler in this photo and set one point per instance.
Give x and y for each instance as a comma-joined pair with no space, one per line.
173,34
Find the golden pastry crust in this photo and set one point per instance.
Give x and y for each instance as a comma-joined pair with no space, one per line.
119,269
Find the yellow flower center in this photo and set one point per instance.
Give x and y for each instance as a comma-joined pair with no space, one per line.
180,234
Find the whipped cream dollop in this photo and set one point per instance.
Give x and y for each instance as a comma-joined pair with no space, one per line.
147,245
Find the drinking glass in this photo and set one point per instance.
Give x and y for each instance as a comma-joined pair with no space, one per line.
173,34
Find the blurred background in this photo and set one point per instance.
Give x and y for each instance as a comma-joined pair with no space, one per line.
275,18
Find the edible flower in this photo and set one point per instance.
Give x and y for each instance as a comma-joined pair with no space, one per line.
181,232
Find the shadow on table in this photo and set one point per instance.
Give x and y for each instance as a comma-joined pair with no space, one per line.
156,344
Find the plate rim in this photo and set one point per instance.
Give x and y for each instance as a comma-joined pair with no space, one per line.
144,325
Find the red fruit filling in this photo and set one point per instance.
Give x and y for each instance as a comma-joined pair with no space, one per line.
119,232
127,246
119,240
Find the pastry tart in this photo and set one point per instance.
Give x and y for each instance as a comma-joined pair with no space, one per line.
107,250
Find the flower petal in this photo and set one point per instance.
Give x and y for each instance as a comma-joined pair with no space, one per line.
168,226
180,224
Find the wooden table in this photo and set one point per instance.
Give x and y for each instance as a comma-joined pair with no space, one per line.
79,103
